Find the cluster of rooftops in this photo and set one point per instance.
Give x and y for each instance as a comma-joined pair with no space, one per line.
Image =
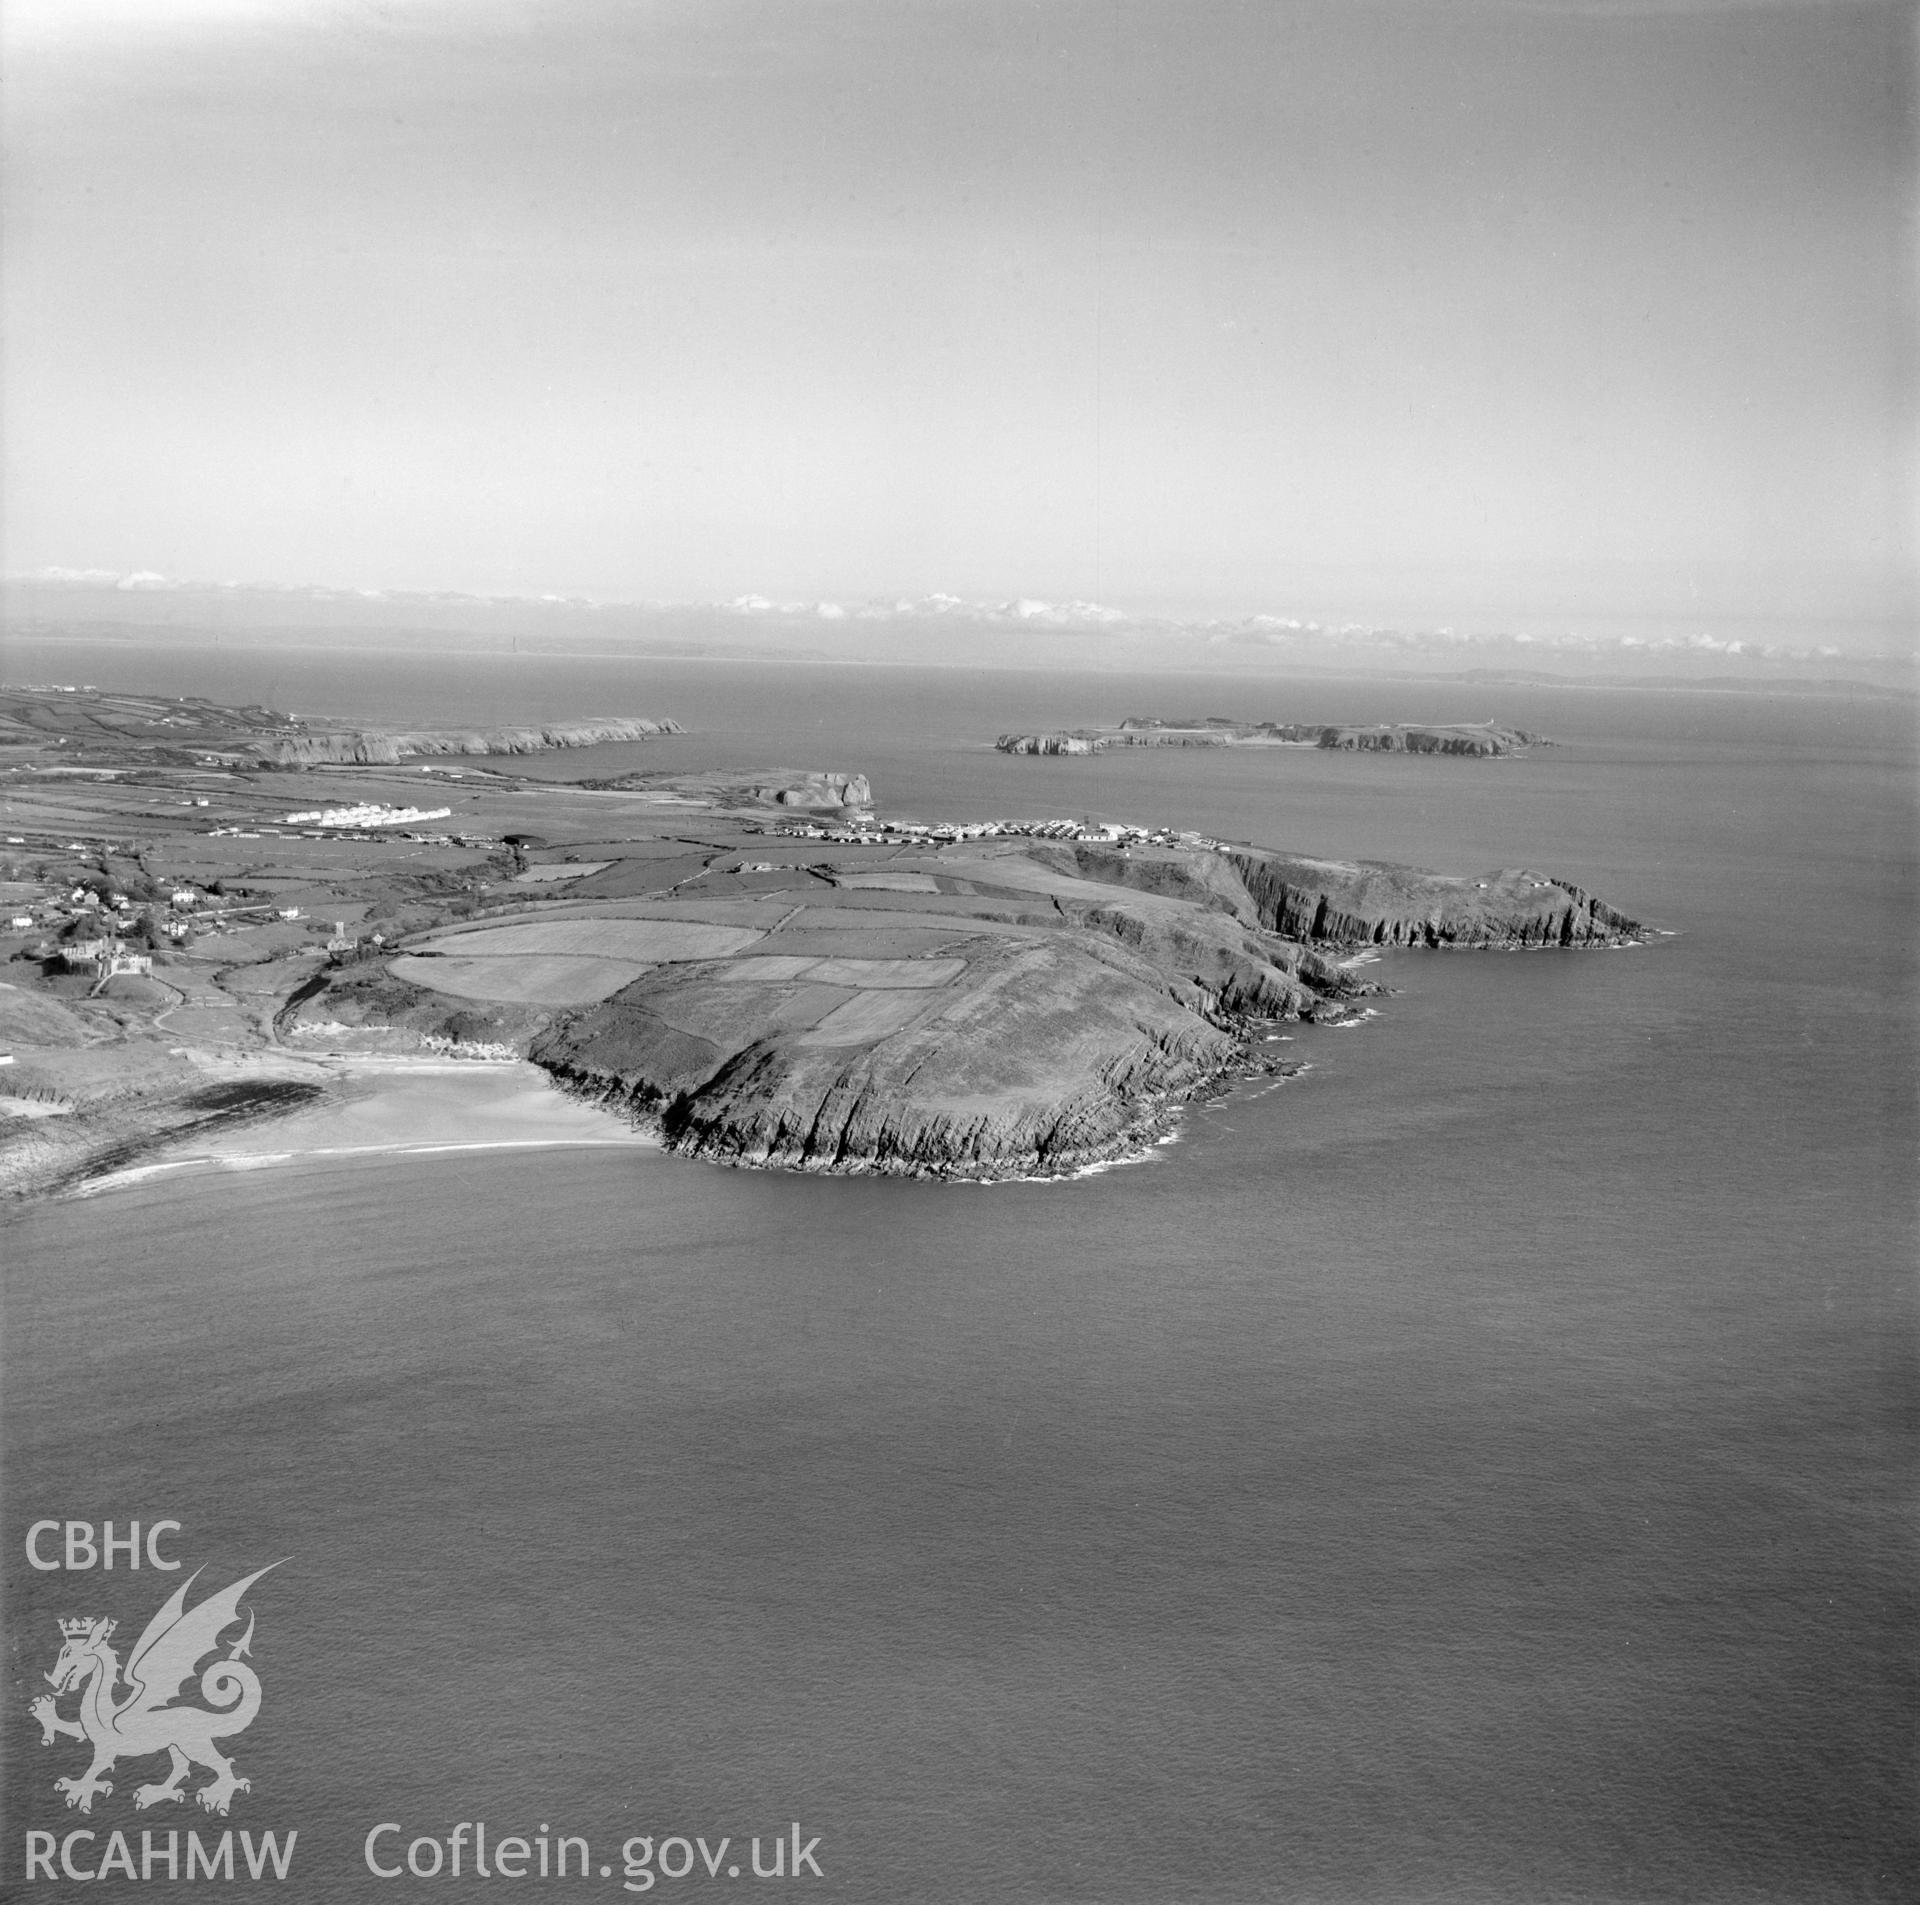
942,833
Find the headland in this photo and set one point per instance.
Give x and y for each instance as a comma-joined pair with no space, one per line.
211,925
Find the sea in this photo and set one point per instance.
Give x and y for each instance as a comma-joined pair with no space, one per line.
1479,1468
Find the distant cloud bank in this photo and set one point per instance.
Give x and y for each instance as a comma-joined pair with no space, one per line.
1215,639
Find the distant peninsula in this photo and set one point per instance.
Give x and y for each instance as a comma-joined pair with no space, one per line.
187,731
1386,737
752,965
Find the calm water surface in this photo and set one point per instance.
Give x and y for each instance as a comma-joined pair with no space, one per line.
1476,1470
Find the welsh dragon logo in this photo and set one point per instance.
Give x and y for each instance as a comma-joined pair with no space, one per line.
142,1721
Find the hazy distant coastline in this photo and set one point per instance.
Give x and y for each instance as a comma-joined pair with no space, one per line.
1782,654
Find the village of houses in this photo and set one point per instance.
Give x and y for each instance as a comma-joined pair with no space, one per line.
158,905
74,916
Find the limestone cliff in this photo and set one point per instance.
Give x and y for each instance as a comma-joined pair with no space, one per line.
1078,743
327,747
1396,739
1352,904
1371,904
815,790
1044,1059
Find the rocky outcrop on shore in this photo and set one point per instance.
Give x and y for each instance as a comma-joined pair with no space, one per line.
815,791
120,1131
1074,743
1392,739
334,747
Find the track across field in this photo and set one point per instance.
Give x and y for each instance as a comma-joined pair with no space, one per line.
872,974
522,978
651,941
871,1015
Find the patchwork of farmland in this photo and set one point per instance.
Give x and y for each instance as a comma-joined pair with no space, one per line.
570,960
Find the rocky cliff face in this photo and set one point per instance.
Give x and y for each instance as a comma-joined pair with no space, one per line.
376,747
1434,740
1043,1059
1364,904
816,791
1352,904
1050,743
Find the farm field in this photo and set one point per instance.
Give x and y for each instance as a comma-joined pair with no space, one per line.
557,871
868,1016
649,941
520,978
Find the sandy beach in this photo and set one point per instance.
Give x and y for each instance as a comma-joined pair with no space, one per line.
396,1106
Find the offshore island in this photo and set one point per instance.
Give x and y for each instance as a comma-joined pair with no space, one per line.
205,909
1479,738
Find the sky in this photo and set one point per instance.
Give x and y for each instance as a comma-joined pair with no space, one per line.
1183,305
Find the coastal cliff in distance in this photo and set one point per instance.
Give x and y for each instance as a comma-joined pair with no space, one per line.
810,788
338,747
109,729
1390,737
